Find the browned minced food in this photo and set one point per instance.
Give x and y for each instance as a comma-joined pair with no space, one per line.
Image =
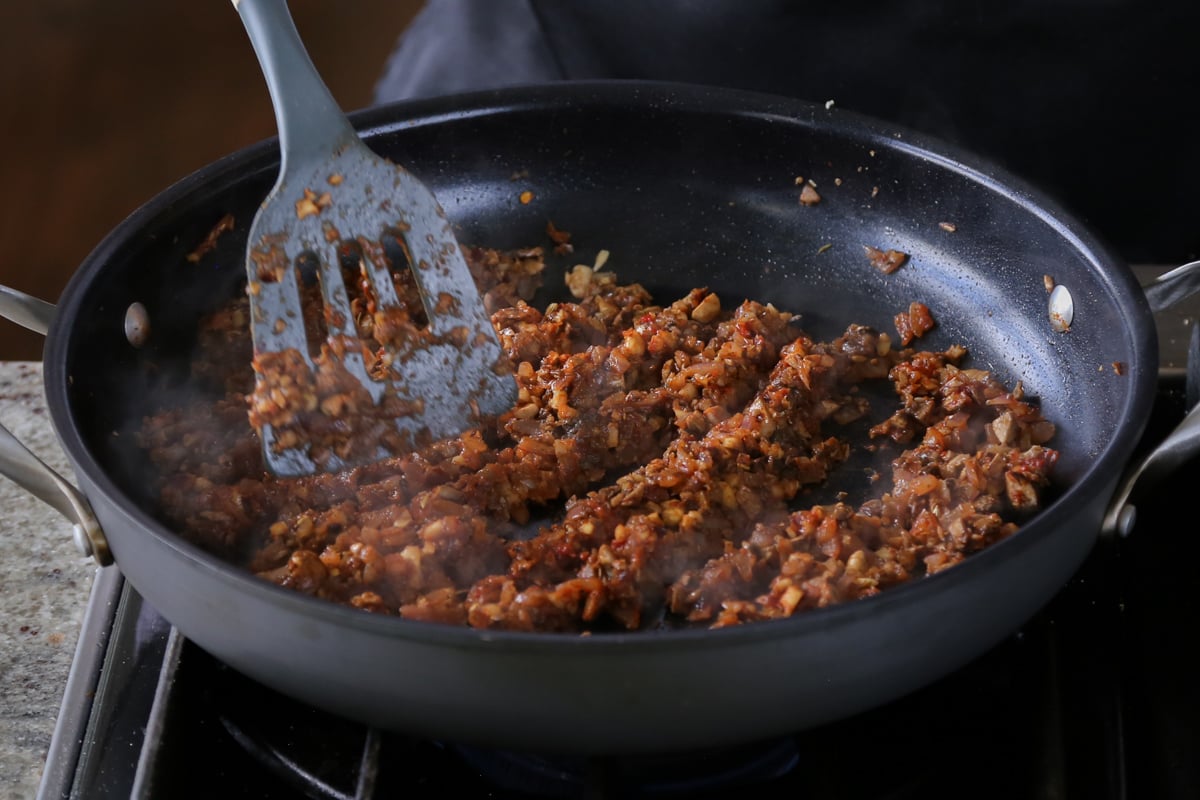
666,450
886,261
913,323
224,224
980,458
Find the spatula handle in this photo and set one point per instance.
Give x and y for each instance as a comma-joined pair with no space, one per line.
309,119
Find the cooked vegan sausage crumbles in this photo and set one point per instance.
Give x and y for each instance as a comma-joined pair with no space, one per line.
654,472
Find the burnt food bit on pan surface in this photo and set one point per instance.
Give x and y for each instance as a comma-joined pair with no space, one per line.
652,474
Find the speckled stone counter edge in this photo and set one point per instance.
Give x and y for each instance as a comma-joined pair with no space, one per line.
44,588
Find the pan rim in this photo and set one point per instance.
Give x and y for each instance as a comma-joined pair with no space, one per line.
650,95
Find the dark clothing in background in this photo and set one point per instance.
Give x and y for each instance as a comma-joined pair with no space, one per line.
1090,100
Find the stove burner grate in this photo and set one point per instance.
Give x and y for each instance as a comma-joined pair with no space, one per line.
665,776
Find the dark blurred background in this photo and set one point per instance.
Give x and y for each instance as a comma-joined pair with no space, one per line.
105,103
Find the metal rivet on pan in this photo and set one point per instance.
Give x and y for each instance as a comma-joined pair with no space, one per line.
1062,309
137,324
1126,520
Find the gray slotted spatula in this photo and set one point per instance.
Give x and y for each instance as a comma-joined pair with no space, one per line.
331,189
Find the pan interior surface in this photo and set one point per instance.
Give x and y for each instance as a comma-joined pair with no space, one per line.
683,188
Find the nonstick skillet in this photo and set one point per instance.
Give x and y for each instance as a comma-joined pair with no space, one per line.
685,186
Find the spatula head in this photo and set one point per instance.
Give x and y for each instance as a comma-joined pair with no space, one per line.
429,379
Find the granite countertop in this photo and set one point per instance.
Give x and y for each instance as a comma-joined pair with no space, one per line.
43,596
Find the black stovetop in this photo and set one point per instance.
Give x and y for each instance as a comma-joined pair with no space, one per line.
1093,698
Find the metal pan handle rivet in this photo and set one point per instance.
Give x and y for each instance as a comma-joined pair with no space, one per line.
1126,519
137,324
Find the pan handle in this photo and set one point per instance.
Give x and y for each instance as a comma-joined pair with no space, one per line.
1169,288
20,465
1183,443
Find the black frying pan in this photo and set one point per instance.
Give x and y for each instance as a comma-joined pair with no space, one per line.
685,186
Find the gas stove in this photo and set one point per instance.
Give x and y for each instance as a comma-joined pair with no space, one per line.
1091,698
